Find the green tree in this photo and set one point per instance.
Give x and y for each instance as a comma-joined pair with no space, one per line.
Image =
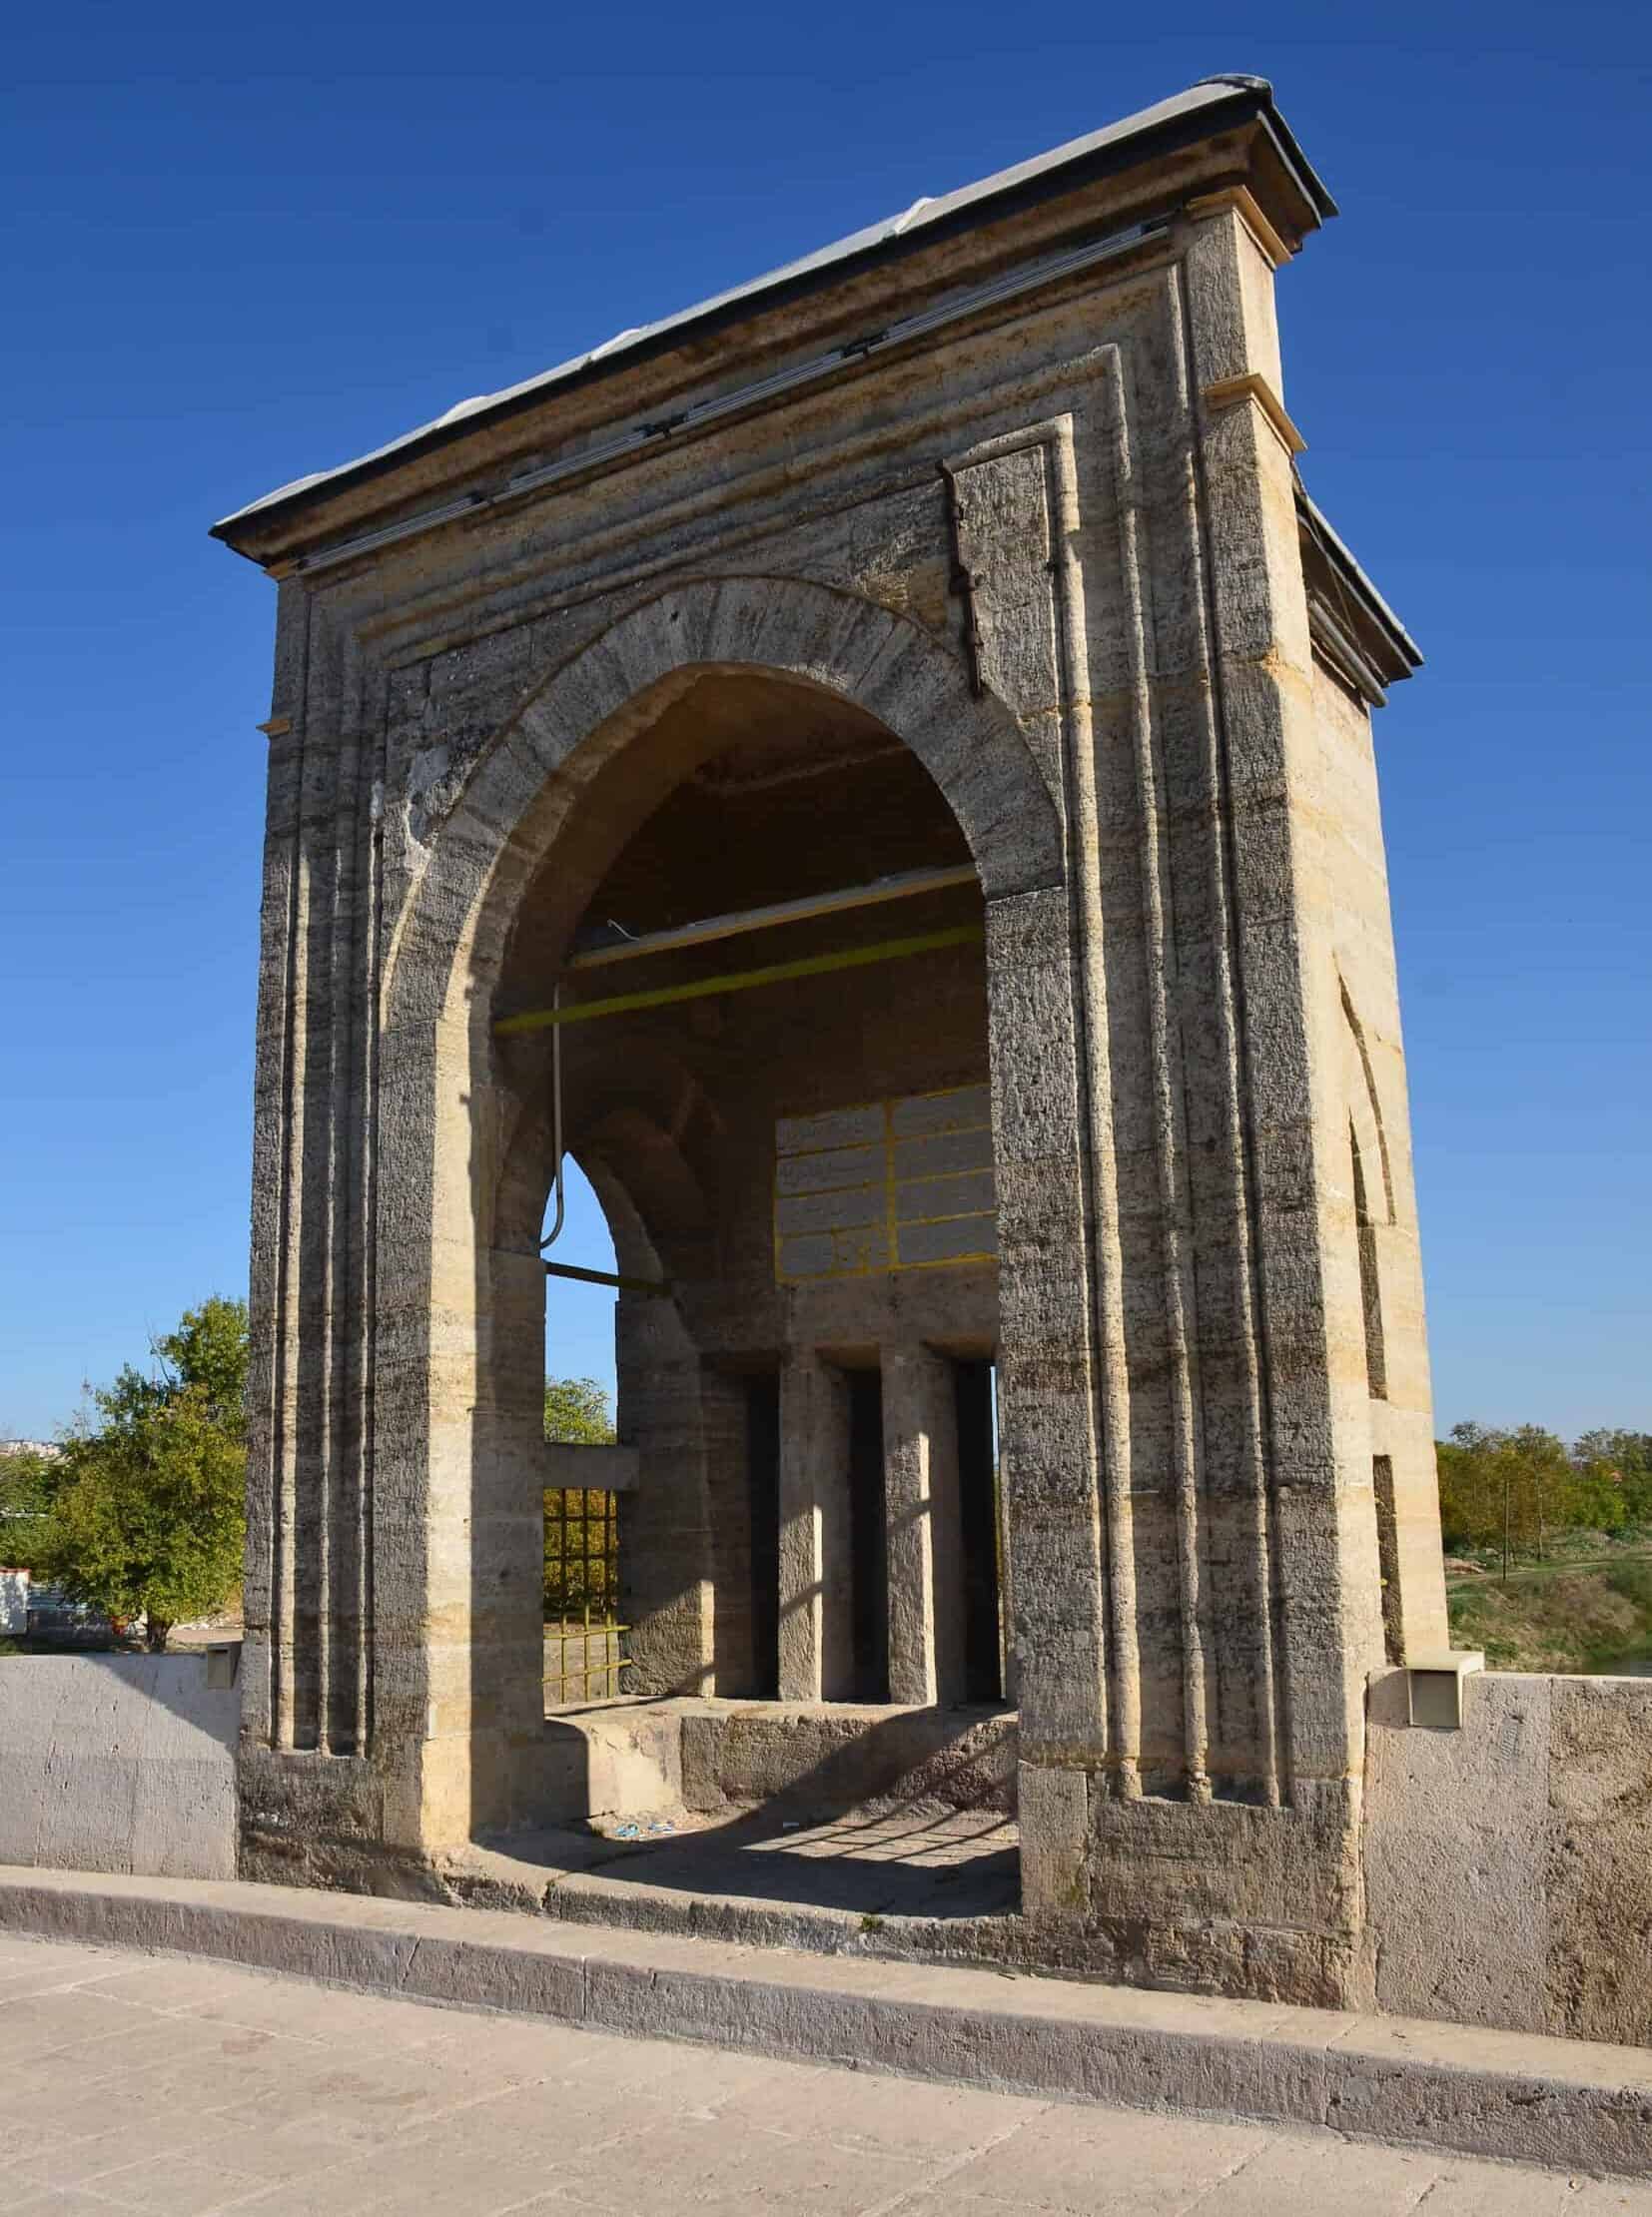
1544,1484
1616,1466
150,1522
208,1354
1470,1494
577,1412
30,1478
148,1517
1519,1485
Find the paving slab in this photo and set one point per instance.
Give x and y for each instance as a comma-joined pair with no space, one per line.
1525,2098
345,2112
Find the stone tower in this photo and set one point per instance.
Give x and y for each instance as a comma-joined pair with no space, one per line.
920,683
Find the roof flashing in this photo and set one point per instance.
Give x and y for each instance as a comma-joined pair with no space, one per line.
1351,621
1185,119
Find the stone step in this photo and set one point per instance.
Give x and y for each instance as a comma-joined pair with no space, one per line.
938,1886
590,1899
1574,2104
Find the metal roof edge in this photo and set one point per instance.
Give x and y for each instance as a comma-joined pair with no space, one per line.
1377,610
1183,119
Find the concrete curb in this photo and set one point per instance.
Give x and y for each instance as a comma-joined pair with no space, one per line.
1572,2104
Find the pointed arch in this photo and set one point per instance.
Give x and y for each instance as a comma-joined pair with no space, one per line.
521,790
459,1285
1370,1139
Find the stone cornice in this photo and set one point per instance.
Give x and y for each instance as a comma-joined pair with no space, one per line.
1228,392
1242,203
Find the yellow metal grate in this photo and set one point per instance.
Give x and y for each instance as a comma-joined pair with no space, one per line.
885,1185
585,1641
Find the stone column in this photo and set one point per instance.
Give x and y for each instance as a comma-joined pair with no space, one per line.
816,1623
723,1426
665,1544
1287,927
926,1568
495,1587
308,1684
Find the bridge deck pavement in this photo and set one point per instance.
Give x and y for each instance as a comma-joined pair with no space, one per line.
96,2047
141,2084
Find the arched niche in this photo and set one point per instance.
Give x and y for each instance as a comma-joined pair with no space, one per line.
592,753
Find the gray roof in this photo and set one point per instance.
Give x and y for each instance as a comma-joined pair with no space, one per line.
1183,118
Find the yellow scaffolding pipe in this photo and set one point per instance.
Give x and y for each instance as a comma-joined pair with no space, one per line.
742,981
709,928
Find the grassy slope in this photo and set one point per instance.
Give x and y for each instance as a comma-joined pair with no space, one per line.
1584,1615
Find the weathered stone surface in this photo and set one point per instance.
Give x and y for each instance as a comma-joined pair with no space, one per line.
1508,1866
1599,1866
1455,1832
118,1763
816,1760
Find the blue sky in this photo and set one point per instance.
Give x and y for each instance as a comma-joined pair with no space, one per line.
243,244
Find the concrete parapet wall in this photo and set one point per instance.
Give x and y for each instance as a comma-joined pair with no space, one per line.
1508,1866
118,1763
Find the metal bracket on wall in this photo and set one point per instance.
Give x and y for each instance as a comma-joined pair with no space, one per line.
1434,1686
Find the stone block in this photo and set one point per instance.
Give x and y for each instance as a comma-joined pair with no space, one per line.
1596,1883
118,1763
1454,1848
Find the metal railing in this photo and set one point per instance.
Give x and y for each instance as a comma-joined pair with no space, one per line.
585,1641
584,1663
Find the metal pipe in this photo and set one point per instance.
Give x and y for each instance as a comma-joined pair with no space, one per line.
556,1232
899,887
740,981
607,1277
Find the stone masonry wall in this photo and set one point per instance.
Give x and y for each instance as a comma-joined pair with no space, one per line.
1508,1866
